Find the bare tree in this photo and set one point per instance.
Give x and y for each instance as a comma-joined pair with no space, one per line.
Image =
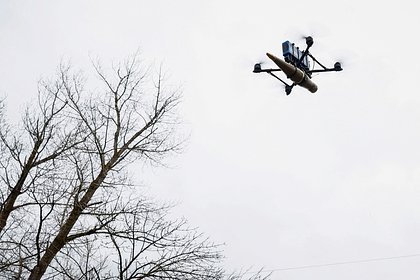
34,147
140,243
67,208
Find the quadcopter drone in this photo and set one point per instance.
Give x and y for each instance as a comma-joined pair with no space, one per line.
297,66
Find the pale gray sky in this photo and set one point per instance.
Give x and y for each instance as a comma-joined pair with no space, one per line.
284,181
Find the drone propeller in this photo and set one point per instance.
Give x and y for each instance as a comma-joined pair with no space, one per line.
345,59
338,66
261,62
258,66
255,56
309,40
316,31
247,61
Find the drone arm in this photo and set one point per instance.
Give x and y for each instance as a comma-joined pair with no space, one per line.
277,78
305,53
336,68
309,43
324,70
288,88
258,69
266,70
319,63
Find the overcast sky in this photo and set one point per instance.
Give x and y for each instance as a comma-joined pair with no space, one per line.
283,181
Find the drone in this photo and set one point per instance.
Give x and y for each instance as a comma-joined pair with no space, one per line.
297,66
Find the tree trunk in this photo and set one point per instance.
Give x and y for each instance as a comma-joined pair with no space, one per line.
61,239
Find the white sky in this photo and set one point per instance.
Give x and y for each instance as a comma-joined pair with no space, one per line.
283,181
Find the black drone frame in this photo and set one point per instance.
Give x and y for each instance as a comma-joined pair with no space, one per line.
288,88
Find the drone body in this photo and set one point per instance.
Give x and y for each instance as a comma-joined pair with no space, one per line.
296,66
